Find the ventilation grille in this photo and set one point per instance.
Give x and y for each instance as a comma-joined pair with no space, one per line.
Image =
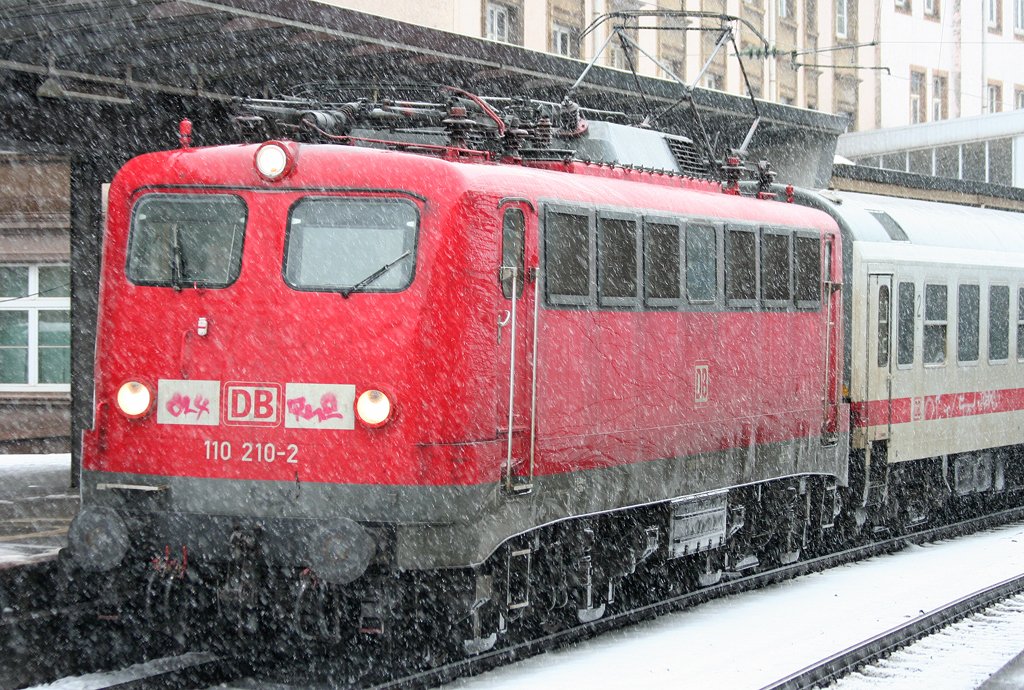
687,157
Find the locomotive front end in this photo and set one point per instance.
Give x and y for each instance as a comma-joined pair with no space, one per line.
263,396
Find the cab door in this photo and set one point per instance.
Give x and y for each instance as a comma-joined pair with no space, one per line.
516,343
878,393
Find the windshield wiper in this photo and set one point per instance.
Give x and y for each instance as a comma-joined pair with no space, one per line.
345,292
177,260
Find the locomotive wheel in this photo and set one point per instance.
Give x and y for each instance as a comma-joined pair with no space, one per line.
709,571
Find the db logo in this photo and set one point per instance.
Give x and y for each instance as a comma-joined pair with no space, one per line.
257,404
701,383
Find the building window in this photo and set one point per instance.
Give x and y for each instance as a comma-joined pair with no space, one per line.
499,25
713,81
993,14
785,11
936,317
1018,15
561,41
902,5
917,97
841,18
994,97
940,98
931,8
35,328
1018,96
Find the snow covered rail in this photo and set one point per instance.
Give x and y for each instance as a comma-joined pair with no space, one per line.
842,663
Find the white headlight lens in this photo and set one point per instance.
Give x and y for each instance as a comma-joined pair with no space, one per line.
134,399
271,160
373,407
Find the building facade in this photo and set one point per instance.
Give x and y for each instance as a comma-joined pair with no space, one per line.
883,63
35,303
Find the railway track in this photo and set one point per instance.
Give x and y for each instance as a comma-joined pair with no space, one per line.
352,670
843,663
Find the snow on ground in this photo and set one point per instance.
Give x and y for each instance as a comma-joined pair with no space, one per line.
753,639
19,464
136,673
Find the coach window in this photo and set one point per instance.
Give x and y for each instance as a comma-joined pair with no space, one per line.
968,323
186,240
513,228
776,280
936,316
807,255
618,266
1020,324
701,263
905,331
740,267
662,277
342,244
998,323
884,327
568,243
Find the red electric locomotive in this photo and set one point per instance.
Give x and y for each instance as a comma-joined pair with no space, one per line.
347,364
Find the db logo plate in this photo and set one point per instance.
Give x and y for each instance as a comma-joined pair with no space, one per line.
252,404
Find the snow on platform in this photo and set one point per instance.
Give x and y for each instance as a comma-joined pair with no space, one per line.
37,504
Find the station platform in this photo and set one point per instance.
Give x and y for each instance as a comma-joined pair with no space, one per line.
1009,677
37,504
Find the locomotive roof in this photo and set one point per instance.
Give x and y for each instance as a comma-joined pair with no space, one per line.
886,219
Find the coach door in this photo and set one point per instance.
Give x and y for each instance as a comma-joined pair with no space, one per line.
517,347
878,393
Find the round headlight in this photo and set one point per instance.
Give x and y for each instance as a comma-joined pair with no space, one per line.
134,399
373,408
272,160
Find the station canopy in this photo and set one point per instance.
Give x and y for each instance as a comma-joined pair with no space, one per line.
146,63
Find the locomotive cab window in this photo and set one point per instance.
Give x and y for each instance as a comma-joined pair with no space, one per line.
776,282
186,240
936,317
662,263
807,270
740,267
512,252
345,244
617,261
568,269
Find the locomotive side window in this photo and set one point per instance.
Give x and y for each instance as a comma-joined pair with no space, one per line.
617,261
512,252
662,285
775,268
186,240
883,326
905,332
567,252
808,270
740,267
701,263
345,244
998,323
968,323
936,316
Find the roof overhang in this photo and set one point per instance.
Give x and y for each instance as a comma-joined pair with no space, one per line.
164,56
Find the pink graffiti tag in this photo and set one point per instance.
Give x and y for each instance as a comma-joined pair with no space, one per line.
180,405
303,410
